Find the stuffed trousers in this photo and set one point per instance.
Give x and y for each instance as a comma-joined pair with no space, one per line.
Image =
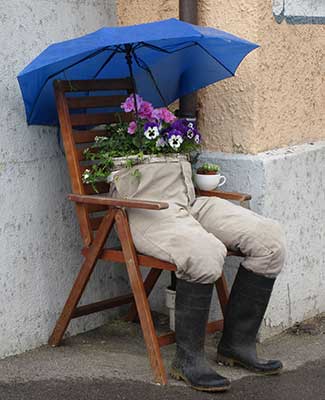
194,233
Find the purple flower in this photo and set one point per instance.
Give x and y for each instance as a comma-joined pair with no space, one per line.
163,114
129,106
146,110
132,127
151,130
179,126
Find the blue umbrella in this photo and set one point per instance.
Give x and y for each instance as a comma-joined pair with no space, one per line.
166,59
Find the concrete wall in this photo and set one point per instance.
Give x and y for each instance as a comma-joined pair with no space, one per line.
39,237
289,186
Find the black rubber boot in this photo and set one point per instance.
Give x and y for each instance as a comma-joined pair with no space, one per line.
248,300
191,317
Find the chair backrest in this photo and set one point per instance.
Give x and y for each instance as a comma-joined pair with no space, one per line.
96,104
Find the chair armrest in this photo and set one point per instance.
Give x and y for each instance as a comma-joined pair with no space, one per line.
225,195
110,202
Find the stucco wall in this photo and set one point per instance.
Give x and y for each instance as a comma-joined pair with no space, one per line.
39,237
278,96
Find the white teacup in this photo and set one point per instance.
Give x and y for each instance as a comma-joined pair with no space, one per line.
209,182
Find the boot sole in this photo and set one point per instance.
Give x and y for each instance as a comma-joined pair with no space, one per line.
180,377
230,362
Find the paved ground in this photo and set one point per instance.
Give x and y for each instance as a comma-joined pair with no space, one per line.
305,383
111,363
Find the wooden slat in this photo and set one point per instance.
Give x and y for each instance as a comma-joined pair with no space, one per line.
82,279
140,297
102,187
91,208
100,118
95,101
102,305
109,201
224,195
223,293
116,255
95,222
87,136
92,85
169,338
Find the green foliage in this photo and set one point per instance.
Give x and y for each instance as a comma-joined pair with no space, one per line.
209,167
120,143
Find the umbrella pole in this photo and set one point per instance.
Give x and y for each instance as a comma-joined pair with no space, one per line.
128,57
188,13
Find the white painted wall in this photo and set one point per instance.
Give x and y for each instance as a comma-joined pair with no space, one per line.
289,186
39,237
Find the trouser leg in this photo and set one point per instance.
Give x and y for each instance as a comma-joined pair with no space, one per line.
178,238
260,239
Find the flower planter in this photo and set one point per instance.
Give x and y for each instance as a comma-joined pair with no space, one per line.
123,162
209,182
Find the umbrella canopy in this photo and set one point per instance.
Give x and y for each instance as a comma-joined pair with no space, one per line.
168,59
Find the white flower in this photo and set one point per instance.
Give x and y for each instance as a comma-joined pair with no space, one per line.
151,132
86,174
175,141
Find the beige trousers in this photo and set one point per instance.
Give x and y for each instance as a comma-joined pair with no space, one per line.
194,233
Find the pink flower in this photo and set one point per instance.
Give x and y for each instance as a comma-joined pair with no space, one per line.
129,106
132,127
164,114
146,110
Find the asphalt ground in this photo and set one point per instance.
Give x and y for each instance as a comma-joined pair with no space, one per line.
305,383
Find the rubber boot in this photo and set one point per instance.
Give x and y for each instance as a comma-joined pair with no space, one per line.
191,317
248,300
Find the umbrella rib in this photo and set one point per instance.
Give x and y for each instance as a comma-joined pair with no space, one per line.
146,68
151,46
186,47
105,63
63,70
218,61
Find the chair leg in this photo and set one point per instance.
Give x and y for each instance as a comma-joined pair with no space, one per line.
149,284
82,278
223,293
141,300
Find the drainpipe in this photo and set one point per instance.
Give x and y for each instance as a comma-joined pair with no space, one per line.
188,13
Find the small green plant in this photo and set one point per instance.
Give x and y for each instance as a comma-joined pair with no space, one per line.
208,169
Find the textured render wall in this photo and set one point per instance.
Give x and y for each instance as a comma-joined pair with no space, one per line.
39,237
278,95
140,11
289,186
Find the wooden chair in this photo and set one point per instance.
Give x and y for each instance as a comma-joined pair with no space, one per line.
75,125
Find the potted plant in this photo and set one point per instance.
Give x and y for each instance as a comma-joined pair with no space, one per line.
153,135
207,177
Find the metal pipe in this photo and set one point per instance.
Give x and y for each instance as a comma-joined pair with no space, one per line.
188,12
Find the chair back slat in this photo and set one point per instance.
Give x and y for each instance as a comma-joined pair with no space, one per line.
84,106
98,119
87,136
95,101
96,85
